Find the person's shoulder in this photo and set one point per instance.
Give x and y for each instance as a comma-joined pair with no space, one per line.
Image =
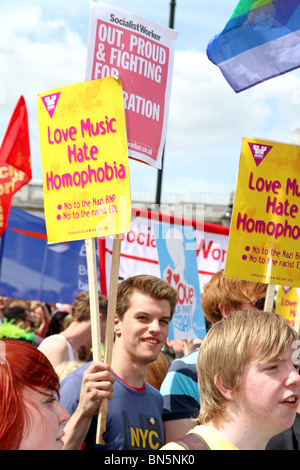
189,359
182,377
54,341
184,364
154,394
70,387
150,389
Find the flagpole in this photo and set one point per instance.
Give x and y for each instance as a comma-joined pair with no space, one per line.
159,174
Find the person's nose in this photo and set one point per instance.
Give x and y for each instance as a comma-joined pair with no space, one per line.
154,327
62,413
293,378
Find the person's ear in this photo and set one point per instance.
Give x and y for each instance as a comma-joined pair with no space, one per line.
117,326
226,392
225,311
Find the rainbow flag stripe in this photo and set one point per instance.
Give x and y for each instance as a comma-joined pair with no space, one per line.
260,41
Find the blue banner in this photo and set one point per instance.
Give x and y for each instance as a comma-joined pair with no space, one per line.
33,270
178,266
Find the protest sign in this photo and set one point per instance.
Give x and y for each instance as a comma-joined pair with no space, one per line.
86,177
178,266
84,160
287,303
139,253
140,52
265,227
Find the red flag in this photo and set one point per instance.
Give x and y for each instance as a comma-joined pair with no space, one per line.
15,162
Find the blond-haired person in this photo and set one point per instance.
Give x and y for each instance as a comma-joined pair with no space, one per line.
144,309
221,296
248,380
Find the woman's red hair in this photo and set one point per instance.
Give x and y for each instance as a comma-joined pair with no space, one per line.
22,366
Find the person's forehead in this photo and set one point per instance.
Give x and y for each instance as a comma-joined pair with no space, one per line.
140,300
288,353
36,304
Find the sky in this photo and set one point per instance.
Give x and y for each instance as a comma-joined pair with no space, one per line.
43,45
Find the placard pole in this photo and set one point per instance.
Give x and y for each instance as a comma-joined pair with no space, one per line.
109,332
93,295
270,298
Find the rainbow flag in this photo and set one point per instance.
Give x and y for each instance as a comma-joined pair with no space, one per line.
260,41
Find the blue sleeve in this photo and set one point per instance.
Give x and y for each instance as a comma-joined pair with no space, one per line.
180,389
70,389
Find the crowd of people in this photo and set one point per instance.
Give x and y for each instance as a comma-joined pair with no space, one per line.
239,389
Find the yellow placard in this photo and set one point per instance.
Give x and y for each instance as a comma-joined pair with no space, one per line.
264,235
85,160
286,303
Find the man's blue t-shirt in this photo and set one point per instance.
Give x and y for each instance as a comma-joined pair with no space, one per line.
134,417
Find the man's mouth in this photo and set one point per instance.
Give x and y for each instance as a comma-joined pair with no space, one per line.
151,340
291,400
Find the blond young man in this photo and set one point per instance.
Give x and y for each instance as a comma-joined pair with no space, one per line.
249,383
220,297
145,306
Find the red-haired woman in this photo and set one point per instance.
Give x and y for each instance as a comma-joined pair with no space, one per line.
31,416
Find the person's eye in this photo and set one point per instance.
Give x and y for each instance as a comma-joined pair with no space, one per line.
271,367
142,318
50,399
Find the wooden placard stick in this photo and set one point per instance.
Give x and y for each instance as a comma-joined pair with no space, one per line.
94,301
109,332
270,298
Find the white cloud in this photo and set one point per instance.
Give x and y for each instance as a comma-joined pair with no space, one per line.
205,108
40,54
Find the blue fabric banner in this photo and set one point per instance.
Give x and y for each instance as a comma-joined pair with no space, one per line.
33,270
